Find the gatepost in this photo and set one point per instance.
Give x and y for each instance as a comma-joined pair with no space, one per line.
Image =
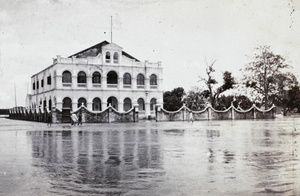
209,112
135,112
232,111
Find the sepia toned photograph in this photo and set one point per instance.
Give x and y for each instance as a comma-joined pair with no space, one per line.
150,97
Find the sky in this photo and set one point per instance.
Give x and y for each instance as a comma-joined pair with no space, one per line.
185,35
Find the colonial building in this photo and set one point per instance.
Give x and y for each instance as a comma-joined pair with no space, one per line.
96,77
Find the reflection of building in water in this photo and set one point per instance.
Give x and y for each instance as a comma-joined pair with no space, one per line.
99,158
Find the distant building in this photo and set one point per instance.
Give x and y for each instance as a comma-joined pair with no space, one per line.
96,77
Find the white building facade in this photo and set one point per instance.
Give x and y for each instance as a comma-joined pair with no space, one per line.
96,77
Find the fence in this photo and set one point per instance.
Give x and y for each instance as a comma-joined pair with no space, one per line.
107,116
111,115
209,113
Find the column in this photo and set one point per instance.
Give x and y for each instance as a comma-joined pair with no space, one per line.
89,82
120,83
103,82
74,105
120,106
147,109
103,105
74,81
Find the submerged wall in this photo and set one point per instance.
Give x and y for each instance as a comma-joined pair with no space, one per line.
209,113
57,116
111,115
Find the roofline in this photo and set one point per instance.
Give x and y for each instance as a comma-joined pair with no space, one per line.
101,43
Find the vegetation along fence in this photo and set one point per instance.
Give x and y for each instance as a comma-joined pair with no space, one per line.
209,113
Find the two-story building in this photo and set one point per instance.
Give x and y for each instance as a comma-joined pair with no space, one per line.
96,77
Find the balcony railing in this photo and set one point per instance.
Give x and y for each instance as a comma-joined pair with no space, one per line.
112,85
153,86
140,86
67,84
97,85
81,85
127,86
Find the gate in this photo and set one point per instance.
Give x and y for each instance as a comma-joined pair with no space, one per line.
66,115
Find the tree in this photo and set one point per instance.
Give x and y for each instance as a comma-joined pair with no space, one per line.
284,82
240,102
210,81
173,100
262,74
196,100
294,99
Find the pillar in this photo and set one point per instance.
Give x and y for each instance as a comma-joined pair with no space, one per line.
103,82
209,112
120,106
232,111
135,112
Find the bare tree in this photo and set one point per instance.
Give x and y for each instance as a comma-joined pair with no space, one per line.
210,81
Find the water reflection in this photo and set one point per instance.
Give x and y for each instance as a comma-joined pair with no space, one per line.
103,161
204,158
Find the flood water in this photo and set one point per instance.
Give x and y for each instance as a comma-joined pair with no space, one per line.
241,157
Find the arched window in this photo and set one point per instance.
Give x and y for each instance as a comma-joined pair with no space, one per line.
112,78
140,79
66,77
81,78
116,57
107,57
141,104
113,101
152,103
127,78
96,78
96,104
44,104
67,103
50,104
127,104
153,79
81,101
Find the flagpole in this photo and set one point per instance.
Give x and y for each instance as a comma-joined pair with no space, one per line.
15,96
110,29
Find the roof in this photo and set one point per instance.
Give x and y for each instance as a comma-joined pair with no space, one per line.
93,51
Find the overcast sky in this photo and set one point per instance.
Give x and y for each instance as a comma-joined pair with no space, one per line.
180,34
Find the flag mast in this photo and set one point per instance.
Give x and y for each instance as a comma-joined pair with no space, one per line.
15,96
110,29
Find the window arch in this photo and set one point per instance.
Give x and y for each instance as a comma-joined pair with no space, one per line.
141,103
96,104
96,78
107,57
153,79
127,104
140,79
81,77
127,78
152,103
116,57
67,103
80,101
66,77
113,101
112,77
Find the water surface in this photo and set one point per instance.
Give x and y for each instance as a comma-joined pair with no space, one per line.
242,157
